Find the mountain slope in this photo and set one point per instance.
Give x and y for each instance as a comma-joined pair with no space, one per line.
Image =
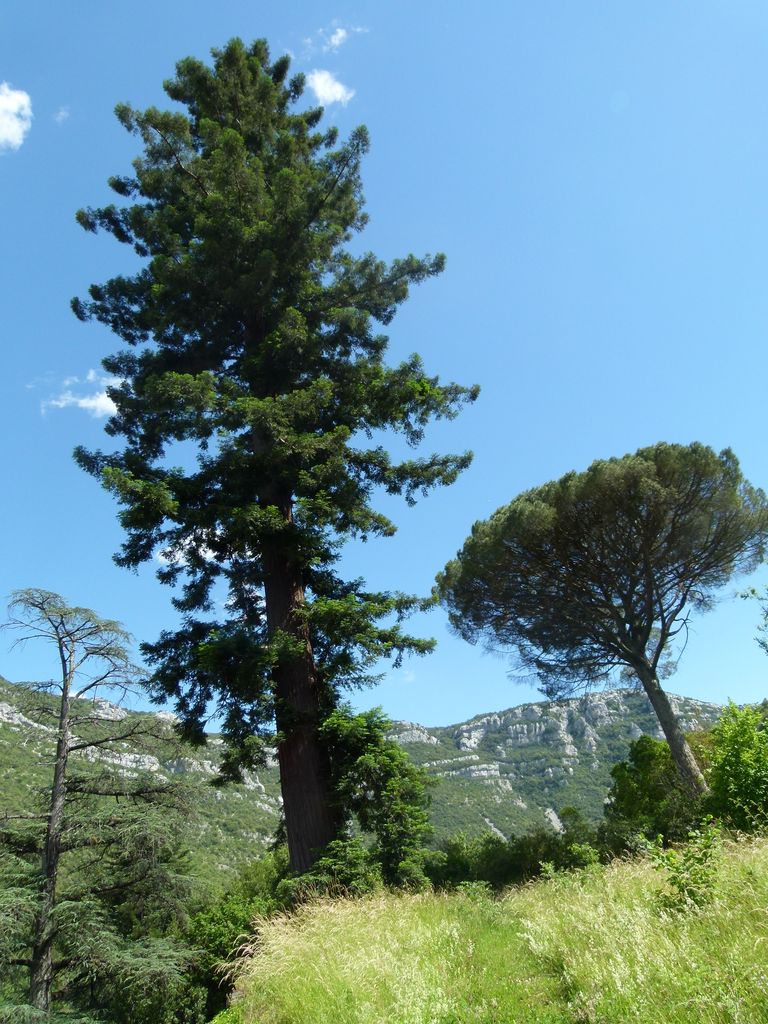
514,769
232,825
505,771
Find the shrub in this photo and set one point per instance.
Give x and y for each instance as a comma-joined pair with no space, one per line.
348,868
739,774
648,798
500,862
217,931
690,870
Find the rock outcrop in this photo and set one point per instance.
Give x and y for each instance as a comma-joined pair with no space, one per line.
505,771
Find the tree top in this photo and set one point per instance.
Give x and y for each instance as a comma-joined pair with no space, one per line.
594,569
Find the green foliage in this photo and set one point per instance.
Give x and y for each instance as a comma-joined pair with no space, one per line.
12,1012
380,792
647,797
598,571
94,875
739,772
379,787
497,862
218,930
227,818
123,888
689,870
252,335
585,946
232,1015
583,855
347,868
143,981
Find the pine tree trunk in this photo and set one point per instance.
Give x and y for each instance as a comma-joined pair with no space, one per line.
682,754
310,820
41,966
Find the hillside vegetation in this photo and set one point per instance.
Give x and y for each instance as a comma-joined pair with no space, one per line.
505,772
597,946
231,825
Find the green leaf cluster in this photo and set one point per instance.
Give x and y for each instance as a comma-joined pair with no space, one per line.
647,797
381,790
689,871
738,775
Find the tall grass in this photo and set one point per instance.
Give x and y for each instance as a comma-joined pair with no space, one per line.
620,957
593,947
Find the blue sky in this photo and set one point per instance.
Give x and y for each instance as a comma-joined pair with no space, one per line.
597,175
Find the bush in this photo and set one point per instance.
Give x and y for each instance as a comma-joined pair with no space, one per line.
217,931
500,862
647,797
738,777
348,868
690,870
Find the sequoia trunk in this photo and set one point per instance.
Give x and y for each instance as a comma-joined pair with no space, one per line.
310,821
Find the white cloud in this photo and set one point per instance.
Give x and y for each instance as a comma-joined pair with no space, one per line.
97,403
15,116
329,39
61,115
337,38
328,89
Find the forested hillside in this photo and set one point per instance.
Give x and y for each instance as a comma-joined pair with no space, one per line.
232,824
515,769
504,772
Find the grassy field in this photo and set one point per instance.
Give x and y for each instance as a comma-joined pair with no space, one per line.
588,947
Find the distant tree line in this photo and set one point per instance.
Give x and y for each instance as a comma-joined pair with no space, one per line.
647,801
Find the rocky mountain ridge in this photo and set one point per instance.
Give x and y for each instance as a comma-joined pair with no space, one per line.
514,769
505,771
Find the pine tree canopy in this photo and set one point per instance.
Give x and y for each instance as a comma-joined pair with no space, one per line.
252,384
601,569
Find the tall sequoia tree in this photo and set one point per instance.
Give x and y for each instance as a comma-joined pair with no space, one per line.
251,335
600,570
